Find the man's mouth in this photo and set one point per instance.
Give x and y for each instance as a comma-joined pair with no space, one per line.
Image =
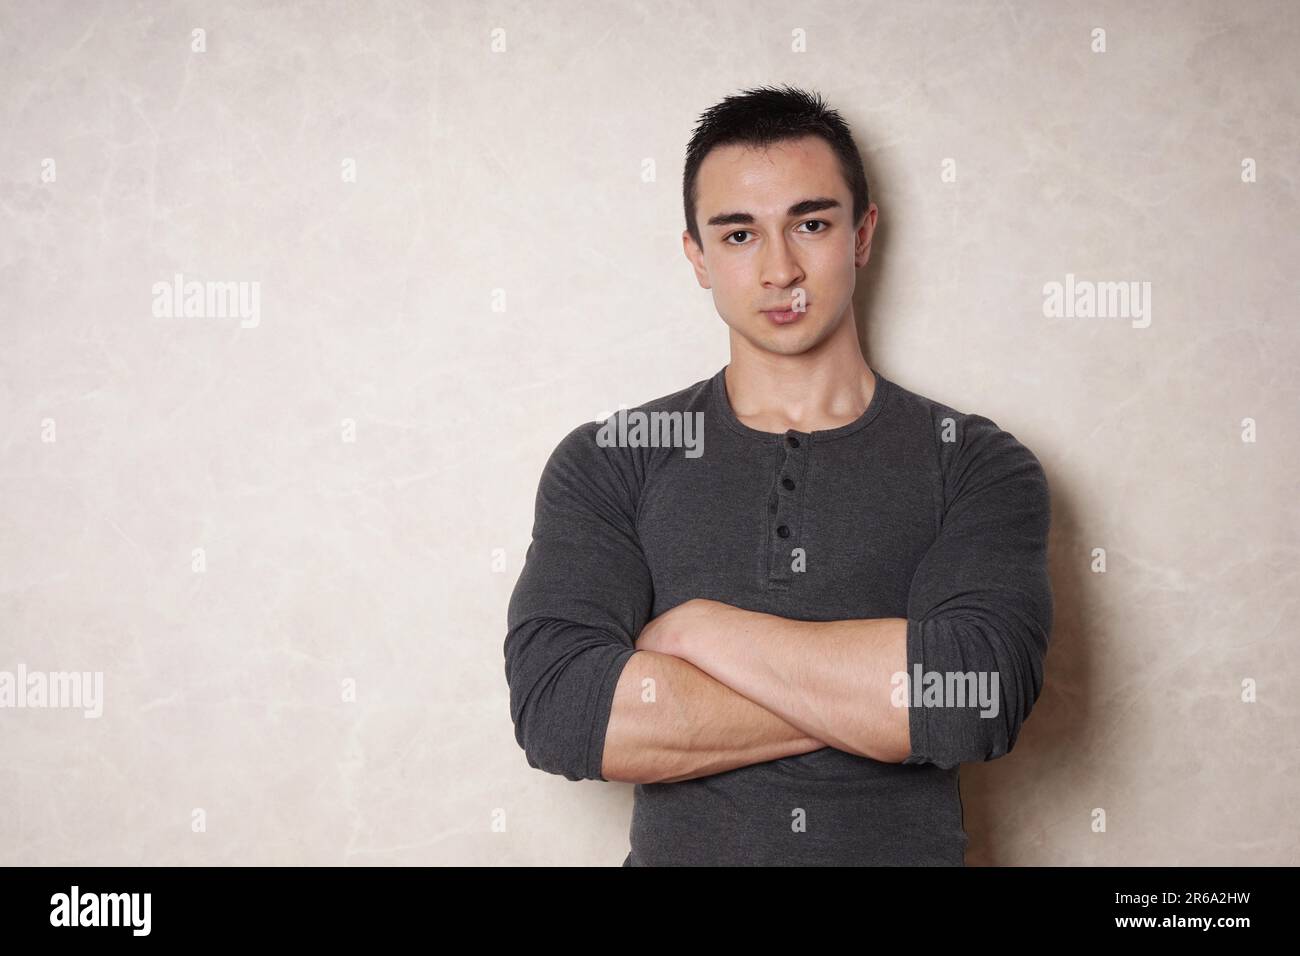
784,316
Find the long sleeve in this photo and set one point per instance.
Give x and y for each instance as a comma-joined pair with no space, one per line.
582,598
981,600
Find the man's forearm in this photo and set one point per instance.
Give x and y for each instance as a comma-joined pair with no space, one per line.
833,680
687,724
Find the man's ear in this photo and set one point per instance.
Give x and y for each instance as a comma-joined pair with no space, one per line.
863,235
695,255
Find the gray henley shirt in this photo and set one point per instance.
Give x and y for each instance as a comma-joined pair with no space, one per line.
913,510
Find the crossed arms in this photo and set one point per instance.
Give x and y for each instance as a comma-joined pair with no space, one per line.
713,687
731,687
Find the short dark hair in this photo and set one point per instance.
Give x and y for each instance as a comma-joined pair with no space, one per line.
766,115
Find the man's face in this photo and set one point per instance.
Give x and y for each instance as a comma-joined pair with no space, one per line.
777,233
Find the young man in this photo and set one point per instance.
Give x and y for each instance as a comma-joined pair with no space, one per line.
790,635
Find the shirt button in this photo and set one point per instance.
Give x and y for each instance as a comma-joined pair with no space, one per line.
783,531
787,483
792,441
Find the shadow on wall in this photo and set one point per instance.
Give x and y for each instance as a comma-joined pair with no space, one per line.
1047,778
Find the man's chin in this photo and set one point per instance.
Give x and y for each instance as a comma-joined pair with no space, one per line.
790,342
793,339
787,348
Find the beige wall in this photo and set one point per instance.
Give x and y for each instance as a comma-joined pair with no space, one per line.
327,560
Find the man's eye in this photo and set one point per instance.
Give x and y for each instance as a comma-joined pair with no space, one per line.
745,232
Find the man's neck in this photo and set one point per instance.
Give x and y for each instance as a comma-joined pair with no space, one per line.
818,390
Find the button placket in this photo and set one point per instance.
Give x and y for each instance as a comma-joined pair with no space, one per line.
784,513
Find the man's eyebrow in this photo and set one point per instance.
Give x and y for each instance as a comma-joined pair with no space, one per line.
801,208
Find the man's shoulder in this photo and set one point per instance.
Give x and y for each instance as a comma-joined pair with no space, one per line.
922,407
584,439
598,452
962,438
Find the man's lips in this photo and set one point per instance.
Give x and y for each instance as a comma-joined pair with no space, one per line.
784,316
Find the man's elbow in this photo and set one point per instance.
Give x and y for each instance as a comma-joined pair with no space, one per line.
552,755
995,735
549,751
972,733
545,723
980,680
561,680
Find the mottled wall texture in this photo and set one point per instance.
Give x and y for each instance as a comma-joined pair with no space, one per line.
275,525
